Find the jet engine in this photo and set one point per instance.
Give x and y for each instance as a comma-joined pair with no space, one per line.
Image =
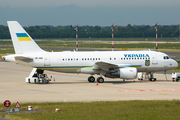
125,73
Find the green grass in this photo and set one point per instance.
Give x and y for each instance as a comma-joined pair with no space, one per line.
6,51
124,110
120,39
70,43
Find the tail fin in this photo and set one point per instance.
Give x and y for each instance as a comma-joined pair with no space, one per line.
22,41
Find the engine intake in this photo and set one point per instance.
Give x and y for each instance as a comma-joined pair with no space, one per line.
125,73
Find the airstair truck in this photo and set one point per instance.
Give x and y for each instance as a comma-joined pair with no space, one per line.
37,76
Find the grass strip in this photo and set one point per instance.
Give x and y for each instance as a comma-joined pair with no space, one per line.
124,110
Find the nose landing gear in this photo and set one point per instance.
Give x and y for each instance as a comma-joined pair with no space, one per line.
151,77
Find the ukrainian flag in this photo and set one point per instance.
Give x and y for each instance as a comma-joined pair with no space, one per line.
23,37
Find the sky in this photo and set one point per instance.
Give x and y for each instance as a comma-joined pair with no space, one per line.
90,12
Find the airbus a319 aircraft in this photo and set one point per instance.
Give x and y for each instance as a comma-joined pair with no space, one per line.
111,64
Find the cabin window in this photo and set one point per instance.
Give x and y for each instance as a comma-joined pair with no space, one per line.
99,59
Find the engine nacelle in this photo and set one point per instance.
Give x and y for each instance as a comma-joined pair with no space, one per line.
125,73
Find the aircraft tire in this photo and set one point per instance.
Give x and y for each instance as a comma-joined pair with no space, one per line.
152,79
29,81
91,79
100,80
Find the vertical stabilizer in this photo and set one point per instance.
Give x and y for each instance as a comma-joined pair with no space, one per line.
22,41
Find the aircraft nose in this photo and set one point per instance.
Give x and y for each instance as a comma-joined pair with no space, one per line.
175,64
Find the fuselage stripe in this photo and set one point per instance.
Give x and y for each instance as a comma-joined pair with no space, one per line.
64,67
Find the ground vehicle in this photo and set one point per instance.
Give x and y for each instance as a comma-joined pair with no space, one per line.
37,76
175,77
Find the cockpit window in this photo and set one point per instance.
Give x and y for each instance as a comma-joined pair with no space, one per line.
166,57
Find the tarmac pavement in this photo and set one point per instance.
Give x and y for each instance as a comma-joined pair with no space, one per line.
76,88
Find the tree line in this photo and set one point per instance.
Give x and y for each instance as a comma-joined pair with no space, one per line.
129,31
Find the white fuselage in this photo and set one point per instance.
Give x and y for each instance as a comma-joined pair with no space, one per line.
85,62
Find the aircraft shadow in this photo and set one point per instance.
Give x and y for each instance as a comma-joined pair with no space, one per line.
86,82
107,82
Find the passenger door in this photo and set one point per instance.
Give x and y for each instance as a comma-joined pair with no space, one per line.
154,59
46,60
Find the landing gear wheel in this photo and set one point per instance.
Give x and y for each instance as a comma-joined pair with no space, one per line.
29,81
91,79
100,80
152,79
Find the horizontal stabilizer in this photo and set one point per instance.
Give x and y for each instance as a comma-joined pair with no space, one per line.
24,59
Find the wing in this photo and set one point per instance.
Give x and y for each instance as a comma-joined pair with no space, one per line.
109,66
106,66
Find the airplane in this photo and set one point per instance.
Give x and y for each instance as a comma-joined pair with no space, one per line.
110,64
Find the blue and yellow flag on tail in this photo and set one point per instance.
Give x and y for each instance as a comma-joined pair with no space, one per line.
23,37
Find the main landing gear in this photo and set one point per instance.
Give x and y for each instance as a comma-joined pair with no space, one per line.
151,77
99,79
91,79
